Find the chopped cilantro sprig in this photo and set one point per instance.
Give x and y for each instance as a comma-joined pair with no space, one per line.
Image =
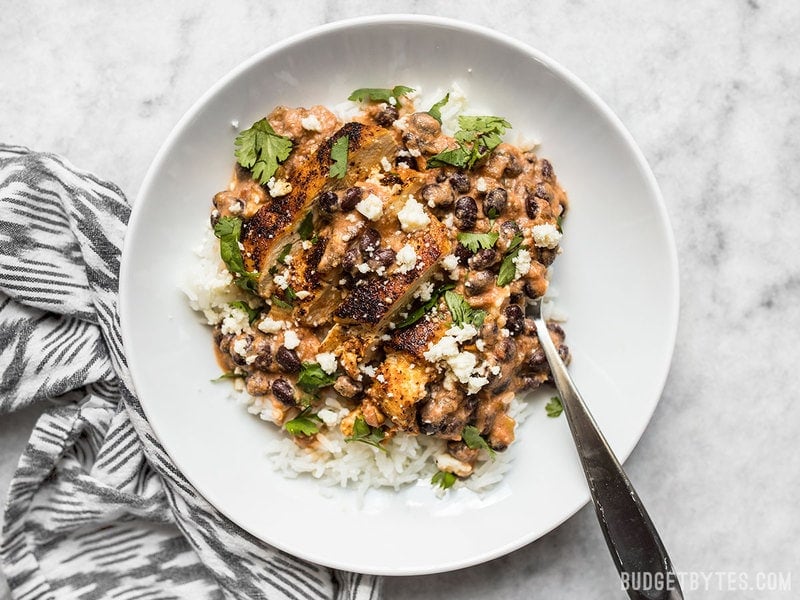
261,150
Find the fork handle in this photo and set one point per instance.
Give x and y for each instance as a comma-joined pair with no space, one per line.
641,559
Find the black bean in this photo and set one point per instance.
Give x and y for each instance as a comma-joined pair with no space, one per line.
460,183
563,352
463,254
536,361
505,350
408,161
484,259
546,256
556,328
466,212
547,169
369,240
530,383
495,202
257,383
328,201
513,168
385,256
287,360
540,191
515,319
478,282
531,206
438,195
509,229
529,290
283,392
351,258
262,349
352,196
387,116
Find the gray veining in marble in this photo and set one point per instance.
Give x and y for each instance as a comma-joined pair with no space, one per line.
710,91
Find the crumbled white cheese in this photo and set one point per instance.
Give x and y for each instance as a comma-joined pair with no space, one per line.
406,259
371,207
278,187
424,292
495,369
311,123
522,263
392,100
235,123
413,216
462,365
546,235
462,333
450,263
235,321
475,384
327,362
368,370
386,337
450,464
282,279
302,294
306,245
235,208
445,348
363,268
240,346
505,332
480,185
380,378
385,164
414,152
328,416
480,345
290,340
269,325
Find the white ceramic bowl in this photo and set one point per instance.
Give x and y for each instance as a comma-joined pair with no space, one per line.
617,279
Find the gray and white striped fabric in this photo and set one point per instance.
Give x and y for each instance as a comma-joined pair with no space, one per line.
96,508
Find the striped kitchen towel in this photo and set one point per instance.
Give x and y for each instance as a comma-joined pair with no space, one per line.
96,508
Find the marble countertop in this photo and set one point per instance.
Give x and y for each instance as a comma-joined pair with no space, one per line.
710,91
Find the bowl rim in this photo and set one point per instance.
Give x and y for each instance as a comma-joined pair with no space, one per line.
558,70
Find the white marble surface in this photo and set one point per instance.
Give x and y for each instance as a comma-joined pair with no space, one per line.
711,92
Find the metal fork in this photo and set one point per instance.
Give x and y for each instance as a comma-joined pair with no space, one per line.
641,559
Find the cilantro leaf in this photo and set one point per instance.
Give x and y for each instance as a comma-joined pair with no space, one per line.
339,157
306,423
260,149
229,375
462,312
423,308
443,479
476,241
456,157
281,303
284,253
379,94
436,109
306,229
554,407
472,438
312,378
362,432
252,313
508,269
228,230
477,137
